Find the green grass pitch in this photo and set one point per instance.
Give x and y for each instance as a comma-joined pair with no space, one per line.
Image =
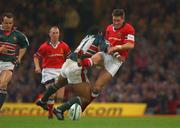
91,122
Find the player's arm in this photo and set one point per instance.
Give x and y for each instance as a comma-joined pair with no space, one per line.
41,53
23,43
127,46
37,64
67,51
22,51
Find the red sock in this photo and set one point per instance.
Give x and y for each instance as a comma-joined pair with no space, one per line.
87,62
50,111
39,96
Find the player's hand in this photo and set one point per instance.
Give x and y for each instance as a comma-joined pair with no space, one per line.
112,50
17,62
118,56
3,48
37,70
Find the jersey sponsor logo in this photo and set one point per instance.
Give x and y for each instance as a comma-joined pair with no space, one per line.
55,55
114,38
130,37
119,34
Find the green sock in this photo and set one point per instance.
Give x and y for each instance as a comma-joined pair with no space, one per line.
69,103
3,94
51,90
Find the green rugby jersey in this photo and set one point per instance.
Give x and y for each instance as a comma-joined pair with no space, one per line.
14,39
90,45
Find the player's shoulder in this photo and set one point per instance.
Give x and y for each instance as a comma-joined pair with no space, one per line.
129,27
44,44
109,27
64,44
19,33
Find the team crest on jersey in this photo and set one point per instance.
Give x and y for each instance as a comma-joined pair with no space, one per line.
15,38
119,34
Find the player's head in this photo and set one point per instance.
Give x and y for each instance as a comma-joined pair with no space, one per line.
94,30
118,16
54,34
7,21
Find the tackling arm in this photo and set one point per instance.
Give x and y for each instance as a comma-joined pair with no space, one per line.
117,48
22,51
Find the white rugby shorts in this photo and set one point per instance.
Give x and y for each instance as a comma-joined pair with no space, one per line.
6,66
50,73
73,73
111,63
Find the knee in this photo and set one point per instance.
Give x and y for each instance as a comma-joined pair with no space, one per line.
3,85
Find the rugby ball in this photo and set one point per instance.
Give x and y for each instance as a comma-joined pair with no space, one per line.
75,112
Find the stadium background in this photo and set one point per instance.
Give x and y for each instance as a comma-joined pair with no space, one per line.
151,74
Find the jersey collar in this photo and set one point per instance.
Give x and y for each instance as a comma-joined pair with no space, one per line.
54,46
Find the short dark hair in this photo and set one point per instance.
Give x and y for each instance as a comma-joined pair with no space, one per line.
118,12
8,14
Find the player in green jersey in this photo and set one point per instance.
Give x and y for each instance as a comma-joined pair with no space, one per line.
10,38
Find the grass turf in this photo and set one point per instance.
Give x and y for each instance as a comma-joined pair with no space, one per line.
91,122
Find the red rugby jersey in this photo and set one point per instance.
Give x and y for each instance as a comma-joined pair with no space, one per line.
53,57
120,36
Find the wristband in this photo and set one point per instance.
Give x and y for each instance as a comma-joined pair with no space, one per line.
119,47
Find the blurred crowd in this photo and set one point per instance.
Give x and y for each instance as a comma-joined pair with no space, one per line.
151,75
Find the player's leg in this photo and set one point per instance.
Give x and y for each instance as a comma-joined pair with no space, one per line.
61,82
5,77
50,103
82,90
83,96
103,79
111,66
96,59
62,108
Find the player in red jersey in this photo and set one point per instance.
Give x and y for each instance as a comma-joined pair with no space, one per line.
10,38
53,54
120,35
